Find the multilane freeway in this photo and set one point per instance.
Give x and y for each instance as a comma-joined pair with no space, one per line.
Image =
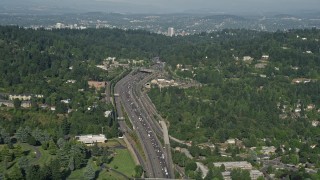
156,159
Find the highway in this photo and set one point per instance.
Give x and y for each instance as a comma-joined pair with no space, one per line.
156,161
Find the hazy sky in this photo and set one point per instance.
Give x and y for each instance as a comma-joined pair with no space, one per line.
158,6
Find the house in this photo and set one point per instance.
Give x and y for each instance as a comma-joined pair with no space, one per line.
265,57
260,65
97,84
107,113
111,59
26,104
90,139
234,165
268,150
66,101
39,96
226,175
231,141
44,106
247,58
104,67
297,110
315,123
311,107
137,62
301,80
71,81
20,97
6,103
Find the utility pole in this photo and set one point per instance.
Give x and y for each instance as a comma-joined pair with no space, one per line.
102,129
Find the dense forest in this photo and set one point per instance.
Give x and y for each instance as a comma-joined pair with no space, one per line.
236,99
276,104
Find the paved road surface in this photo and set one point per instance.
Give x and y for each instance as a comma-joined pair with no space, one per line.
155,165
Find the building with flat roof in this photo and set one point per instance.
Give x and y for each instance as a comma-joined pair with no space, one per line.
91,139
234,165
170,31
97,84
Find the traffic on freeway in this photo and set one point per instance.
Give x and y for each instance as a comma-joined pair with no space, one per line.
157,166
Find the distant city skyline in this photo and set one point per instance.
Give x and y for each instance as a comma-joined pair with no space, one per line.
165,6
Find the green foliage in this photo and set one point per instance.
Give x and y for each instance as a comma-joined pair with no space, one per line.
52,148
17,103
239,174
233,101
23,134
15,174
139,171
71,164
89,172
6,154
180,159
217,173
18,151
192,166
55,169
65,126
33,172
23,163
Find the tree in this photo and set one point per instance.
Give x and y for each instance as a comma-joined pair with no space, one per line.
23,163
6,154
52,148
18,151
192,166
61,108
260,178
239,174
71,164
15,174
217,173
32,141
33,172
55,169
65,126
89,172
198,175
139,171
95,150
46,172
22,134
222,168
17,103
209,175
61,142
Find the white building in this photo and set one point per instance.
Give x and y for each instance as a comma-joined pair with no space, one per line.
247,58
234,165
231,141
59,26
265,57
170,31
107,113
90,139
20,97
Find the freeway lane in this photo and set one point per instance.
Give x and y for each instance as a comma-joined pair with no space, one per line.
152,119
156,165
